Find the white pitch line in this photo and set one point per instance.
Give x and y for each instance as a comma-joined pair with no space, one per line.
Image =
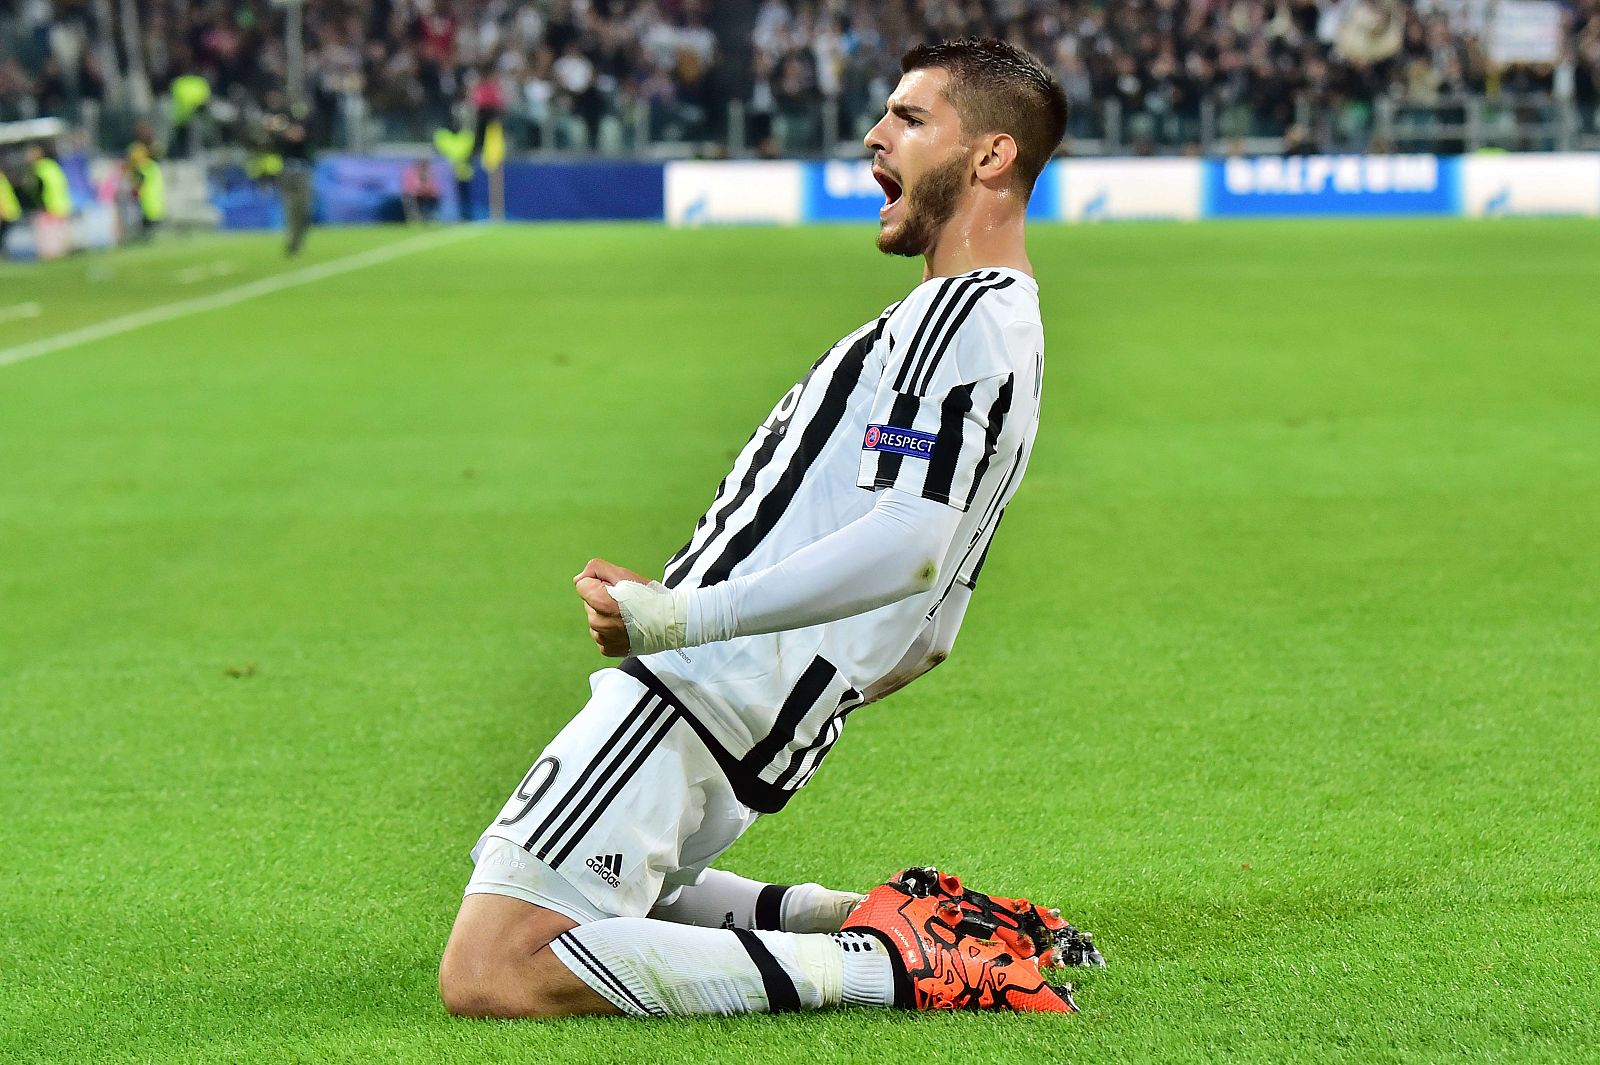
228,297
205,272
20,310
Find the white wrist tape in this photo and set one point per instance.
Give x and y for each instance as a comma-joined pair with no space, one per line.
653,614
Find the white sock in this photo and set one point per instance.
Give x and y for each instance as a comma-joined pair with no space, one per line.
869,978
814,908
726,900
652,968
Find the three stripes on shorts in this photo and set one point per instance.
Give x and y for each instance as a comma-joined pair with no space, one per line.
575,813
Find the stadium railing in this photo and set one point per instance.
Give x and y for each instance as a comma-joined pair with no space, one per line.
1449,124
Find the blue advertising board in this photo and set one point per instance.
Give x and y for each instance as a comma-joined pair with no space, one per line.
351,189
356,189
542,192
844,190
76,166
346,190
1309,185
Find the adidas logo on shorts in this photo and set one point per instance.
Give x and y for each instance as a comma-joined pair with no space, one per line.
606,867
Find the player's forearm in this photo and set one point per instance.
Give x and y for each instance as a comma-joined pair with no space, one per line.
892,552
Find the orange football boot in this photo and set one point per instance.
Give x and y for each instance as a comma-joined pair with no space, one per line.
938,968
1027,930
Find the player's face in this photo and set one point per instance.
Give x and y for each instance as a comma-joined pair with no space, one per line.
920,160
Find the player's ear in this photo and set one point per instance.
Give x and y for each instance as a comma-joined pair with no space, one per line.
996,154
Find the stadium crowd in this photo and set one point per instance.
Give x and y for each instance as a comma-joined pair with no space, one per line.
569,71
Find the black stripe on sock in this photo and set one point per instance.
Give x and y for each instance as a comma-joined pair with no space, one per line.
769,908
782,995
586,957
602,975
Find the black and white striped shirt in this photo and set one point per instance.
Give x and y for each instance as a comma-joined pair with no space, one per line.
938,396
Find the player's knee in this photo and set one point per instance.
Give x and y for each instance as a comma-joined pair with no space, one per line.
493,965
464,982
464,997
496,984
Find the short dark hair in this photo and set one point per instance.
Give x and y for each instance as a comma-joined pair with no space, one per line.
998,88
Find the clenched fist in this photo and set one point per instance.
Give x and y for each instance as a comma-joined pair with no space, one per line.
606,627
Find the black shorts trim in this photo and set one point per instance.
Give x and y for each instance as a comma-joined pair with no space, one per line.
750,789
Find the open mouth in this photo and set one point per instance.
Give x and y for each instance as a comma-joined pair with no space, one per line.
891,189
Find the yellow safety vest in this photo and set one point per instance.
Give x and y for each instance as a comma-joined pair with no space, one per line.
10,206
152,191
264,165
54,193
190,92
456,147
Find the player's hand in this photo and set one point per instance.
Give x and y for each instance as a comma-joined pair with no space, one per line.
608,573
606,626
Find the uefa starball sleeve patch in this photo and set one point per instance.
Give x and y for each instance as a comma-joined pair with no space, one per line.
913,443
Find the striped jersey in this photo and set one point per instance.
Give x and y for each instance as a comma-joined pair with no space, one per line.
938,396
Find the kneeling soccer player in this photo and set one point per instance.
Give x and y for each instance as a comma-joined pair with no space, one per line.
833,567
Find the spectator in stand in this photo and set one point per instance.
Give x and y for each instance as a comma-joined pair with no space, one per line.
538,96
1584,57
575,77
16,92
488,104
50,90
1255,65
435,33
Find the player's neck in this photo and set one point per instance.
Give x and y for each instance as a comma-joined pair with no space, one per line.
985,236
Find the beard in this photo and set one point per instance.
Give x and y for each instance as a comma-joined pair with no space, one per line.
927,210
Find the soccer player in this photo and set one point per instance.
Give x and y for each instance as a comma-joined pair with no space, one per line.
832,568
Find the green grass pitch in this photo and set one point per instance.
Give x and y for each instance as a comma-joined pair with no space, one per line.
1283,677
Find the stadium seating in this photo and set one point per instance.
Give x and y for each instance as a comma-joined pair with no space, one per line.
778,77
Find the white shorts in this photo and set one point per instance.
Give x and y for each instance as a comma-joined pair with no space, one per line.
624,806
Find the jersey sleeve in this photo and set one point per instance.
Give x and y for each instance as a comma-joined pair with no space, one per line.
942,401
